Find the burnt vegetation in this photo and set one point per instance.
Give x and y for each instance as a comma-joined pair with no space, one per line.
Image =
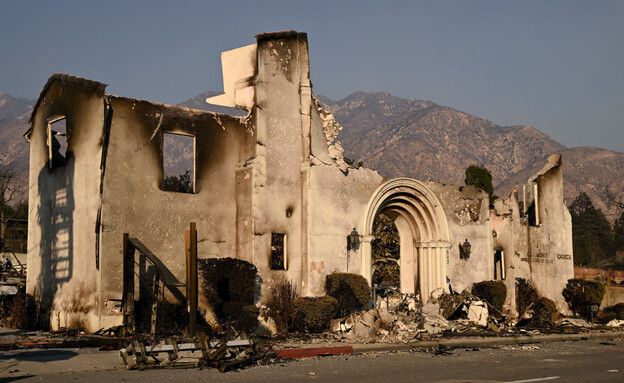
493,292
279,304
229,286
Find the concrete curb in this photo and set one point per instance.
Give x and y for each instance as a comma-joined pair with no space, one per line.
482,342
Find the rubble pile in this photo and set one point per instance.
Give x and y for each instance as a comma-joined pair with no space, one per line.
405,319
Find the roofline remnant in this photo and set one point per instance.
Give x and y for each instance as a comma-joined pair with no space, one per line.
69,79
277,35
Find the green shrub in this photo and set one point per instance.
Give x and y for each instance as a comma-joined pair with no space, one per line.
493,292
526,294
229,286
581,294
611,312
350,290
313,314
279,304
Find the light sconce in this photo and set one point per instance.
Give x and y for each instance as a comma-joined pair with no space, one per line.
464,250
353,240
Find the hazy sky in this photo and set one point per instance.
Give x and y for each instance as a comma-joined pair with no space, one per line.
556,65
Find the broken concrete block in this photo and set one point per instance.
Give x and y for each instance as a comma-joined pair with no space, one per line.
431,329
493,325
368,318
431,309
401,326
350,321
431,315
335,325
574,322
435,294
478,313
412,305
616,323
8,290
362,331
386,317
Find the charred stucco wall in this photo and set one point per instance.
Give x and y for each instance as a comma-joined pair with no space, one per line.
539,253
63,205
302,187
467,213
277,200
337,203
509,236
278,170
134,202
550,244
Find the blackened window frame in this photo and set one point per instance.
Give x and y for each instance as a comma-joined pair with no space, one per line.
193,170
278,256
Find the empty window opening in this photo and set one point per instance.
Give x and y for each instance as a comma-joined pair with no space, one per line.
178,163
499,265
57,143
278,251
531,205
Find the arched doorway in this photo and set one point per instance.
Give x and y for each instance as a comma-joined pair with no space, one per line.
423,232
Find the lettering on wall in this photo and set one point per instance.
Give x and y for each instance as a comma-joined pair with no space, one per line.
542,258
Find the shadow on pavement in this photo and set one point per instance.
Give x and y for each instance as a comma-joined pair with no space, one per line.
41,356
15,378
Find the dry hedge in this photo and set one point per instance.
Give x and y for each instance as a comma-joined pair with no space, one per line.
229,286
313,314
22,311
279,304
350,290
526,294
581,294
493,292
611,312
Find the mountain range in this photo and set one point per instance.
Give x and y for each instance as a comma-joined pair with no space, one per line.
414,138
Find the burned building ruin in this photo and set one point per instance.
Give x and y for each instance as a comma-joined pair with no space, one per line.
270,188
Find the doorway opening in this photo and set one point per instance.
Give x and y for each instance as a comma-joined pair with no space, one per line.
386,253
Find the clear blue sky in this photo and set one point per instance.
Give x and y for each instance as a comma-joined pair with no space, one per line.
556,65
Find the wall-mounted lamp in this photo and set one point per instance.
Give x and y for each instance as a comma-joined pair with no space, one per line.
353,240
464,250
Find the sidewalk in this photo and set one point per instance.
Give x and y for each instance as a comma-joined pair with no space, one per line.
35,362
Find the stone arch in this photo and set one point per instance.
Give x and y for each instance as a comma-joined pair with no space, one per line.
423,231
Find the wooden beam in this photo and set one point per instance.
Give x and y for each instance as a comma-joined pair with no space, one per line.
193,279
155,301
127,299
166,276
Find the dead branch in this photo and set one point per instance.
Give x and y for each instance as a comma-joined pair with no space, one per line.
612,199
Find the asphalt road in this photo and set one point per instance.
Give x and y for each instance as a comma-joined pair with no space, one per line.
582,361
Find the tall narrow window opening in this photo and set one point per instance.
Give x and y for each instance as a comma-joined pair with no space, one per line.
499,265
178,163
57,143
278,251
